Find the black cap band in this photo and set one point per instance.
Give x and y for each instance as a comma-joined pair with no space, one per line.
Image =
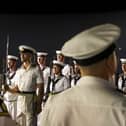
96,58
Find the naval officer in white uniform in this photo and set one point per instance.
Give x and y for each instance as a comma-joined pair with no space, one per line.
29,87
93,101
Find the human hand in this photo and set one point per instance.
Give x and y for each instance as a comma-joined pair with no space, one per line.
5,87
16,89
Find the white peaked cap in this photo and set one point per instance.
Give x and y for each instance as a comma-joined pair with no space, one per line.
25,48
91,42
58,63
123,60
42,54
74,62
12,57
58,52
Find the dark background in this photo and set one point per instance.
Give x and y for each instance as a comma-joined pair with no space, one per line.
47,29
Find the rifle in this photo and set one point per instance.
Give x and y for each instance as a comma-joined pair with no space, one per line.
4,69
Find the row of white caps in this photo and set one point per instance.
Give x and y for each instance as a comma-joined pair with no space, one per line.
25,48
86,44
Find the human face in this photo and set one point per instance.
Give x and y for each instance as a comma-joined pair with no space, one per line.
60,57
76,69
41,60
11,63
25,56
124,68
56,69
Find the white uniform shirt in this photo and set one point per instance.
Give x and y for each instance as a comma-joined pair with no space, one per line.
66,71
46,74
10,99
92,102
74,79
26,81
120,82
60,85
10,96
